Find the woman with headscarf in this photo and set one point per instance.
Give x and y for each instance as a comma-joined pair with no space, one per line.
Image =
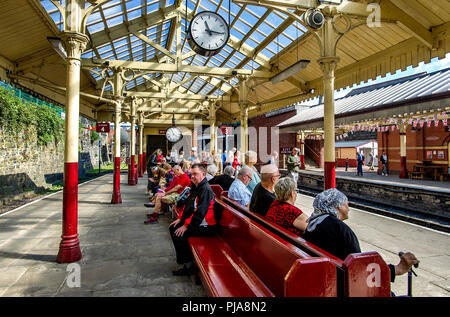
327,230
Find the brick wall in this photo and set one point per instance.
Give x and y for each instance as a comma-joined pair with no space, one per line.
285,139
419,141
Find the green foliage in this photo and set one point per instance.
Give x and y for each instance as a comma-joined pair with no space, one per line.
16,115
94,136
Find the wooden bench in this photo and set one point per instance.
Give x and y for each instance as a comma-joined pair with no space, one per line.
352,274
416,175
246,260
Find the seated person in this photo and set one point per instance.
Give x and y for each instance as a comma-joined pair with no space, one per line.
264,193
158,181
197,219
169,172
283,211
225,180
238,190
152,181
211,172
327,230
170,194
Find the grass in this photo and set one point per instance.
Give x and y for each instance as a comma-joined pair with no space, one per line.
105,168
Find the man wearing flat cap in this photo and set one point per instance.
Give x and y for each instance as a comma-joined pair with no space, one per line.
264,193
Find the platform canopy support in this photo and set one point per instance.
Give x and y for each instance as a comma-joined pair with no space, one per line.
74,42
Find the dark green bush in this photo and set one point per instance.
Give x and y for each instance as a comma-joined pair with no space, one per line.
17,115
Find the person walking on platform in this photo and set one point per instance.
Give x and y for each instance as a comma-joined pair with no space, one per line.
360,161
197,219
293,164
384,162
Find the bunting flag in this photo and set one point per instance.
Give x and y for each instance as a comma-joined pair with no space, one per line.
444,121
429,123
422,122
392,128
444,114
436,123
410,121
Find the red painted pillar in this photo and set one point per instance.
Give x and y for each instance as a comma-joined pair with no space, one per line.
132,180
69,248
116,197
403,170
141,166
144,163
330,175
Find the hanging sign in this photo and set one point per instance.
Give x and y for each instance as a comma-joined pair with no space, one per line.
103,127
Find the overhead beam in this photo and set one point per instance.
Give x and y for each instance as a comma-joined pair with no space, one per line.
161,95
174,68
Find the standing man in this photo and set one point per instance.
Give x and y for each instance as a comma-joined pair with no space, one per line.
293,164
197,219
360,161
384,161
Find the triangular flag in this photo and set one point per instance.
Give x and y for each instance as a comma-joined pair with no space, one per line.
436,123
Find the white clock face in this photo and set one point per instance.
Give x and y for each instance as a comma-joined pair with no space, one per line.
209,30
173,134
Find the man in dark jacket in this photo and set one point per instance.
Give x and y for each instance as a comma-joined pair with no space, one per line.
225,180
197,219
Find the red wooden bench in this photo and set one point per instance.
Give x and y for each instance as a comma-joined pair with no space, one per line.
246,260
354,274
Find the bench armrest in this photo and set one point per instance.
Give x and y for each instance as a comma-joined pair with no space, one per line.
311,277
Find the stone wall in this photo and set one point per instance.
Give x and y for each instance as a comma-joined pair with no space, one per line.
412,198
24,165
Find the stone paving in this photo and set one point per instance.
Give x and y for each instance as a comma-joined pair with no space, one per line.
124,257
121,255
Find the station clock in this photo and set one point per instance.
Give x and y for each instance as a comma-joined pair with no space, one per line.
208,33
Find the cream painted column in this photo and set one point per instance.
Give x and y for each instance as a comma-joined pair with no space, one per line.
243,106
141,139
132,175
212,128
302,150
118,86
328,66
403,169
328,37
74,43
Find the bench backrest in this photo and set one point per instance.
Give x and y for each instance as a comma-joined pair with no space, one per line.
217,189
281,266
352,274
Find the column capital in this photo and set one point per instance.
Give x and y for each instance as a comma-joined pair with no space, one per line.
74,43
328,64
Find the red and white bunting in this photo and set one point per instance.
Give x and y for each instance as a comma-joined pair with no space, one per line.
436,123
444,122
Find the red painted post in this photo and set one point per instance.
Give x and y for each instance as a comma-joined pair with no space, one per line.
116,197
144,162
141,166
132,171
69,248
330,175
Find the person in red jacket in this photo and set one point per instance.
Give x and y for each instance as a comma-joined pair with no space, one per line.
197,219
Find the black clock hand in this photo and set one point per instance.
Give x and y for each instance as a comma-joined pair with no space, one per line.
207,28
216,32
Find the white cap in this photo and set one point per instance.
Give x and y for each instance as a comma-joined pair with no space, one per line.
269,169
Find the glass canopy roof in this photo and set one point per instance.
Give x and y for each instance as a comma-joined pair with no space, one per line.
249,25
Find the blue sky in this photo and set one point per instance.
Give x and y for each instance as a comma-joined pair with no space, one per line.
434,65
